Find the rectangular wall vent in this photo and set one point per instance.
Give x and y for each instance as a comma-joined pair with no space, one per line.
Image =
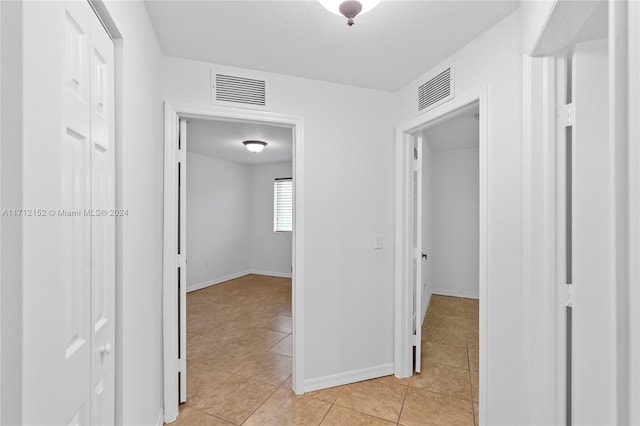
437,90
243,91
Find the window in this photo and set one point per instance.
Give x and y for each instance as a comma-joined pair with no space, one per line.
283,205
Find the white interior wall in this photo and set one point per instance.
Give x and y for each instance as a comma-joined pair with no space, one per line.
270,251
219,205
230,221
139,176
11,197
494,59
455,221
349,191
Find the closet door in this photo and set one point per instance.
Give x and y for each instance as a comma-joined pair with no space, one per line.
68,247
102,226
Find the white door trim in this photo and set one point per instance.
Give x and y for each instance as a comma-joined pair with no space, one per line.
172,112
565,18
403,310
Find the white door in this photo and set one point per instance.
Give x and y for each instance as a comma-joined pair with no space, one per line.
416,263
102,226
68,254
182,259
593,330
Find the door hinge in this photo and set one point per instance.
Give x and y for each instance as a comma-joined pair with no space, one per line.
566,295
566,115
182,260
414,340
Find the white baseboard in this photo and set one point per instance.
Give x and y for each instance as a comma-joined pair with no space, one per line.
271,273
220,280
348,377
454,293
206,284
160,419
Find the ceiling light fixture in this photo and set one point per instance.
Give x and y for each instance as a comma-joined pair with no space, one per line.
349,8
254,146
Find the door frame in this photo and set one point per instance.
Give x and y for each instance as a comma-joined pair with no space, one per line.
173,111
554,28
403,363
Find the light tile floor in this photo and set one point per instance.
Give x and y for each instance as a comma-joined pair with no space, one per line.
239,365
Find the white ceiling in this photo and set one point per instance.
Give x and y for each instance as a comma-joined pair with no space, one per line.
223,139
386,49
459,132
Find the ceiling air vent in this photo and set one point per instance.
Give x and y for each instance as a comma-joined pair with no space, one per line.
437,90
244,91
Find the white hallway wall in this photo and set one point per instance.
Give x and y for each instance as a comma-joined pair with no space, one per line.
230,221
495,59
349,192
11,191
455,223
139,174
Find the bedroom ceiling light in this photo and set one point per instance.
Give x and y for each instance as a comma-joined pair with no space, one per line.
254,146
349,8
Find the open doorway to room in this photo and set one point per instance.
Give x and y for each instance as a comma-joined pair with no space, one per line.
441,256
450,263
233,261
239,223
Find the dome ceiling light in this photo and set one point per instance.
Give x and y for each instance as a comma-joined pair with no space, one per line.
254,146
349,8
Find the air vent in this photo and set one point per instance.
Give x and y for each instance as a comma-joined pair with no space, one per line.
236,90
437,90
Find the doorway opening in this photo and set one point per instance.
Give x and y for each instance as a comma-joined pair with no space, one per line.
441,240
239,207
243,297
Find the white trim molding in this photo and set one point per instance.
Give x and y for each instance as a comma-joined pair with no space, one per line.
160,418
348,377
172,112
555,29
403,363
271,273
200,286
444,292
216,281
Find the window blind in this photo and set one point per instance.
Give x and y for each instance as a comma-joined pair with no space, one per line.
283,205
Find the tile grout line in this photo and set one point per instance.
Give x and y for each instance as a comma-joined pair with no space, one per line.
325,414
215,417
402,407
263,402
473,407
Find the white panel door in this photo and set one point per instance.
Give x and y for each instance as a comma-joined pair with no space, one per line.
102,226
416,263
74,304
182,258
68,253
593,329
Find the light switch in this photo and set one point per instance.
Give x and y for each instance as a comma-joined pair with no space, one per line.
377,242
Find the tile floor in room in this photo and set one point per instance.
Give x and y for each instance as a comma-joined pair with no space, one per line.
239,365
